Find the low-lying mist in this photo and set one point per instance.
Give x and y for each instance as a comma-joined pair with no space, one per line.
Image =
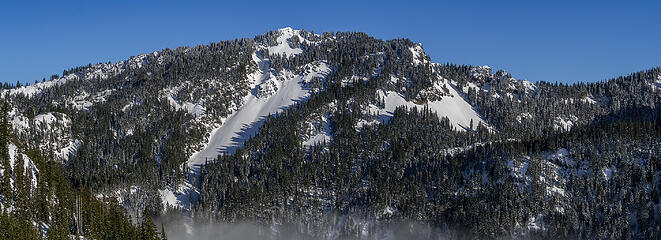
335,227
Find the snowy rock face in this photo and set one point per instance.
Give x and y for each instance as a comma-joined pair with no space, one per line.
483,73
499,83
284,43
51,131
419,56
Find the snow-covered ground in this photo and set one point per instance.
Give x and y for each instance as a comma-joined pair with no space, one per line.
564,123
33,89
285,89
320,132
66,152
100,71
196,109
588,99
83,101
283,46
272,92
524,116
182,197
657,82
54,126
609,172
28,165
454,107
418,55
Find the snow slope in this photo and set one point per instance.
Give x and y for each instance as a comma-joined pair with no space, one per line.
245,122
454,107
181,197
457,110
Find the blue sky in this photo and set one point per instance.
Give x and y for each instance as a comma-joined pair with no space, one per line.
564,41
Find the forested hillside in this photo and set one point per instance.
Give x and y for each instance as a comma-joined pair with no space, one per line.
38,201
331,135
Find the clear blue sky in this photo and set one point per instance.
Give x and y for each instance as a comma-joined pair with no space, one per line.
561,41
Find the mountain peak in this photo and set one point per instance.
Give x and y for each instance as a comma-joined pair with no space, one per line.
283,47
288,30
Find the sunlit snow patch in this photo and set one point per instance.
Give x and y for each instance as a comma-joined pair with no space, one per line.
454,107
289,89
283,47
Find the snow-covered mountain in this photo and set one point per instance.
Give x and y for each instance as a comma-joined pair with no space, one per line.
147,132
273,91
270,91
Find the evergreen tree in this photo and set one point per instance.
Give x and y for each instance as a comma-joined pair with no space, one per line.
147,228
